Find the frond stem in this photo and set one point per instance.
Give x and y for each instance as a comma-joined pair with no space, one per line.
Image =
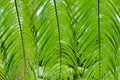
99,41
58,25
21,34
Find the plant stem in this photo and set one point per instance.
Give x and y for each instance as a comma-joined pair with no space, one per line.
21,34
56,12
99,42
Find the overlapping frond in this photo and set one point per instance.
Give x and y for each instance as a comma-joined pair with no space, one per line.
59,40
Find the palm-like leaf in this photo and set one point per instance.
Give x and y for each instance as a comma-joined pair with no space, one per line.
59,39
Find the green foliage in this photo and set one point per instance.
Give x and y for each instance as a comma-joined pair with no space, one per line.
59,39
